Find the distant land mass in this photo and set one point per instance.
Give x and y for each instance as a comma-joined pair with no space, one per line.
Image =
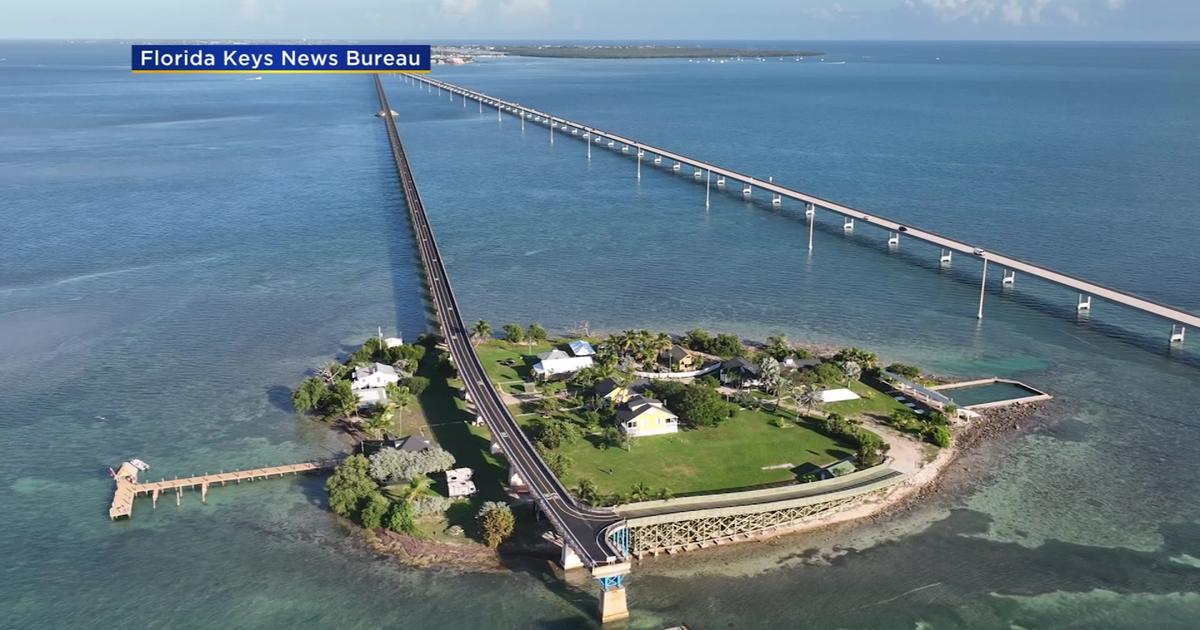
646,52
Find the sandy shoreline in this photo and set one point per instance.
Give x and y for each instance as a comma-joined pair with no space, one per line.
924,482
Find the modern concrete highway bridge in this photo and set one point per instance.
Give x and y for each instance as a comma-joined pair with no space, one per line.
704,171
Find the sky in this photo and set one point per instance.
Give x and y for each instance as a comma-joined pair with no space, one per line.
421,21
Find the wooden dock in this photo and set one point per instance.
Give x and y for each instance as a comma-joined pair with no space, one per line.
129,488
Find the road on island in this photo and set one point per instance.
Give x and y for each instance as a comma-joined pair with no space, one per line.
584,528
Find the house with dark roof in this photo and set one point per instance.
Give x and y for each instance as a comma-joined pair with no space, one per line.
608,391
739,372
680,359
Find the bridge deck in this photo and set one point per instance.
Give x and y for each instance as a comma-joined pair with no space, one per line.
1081,285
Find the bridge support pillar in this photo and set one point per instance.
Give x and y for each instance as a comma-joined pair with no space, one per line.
515,482
1177,331
747,191
720,181
947,257
1084,303
982,286
676,167
893,239
707,188
697,174
811,213
640,153
570,559
613,606
848,225
551,132
1010,278
587,137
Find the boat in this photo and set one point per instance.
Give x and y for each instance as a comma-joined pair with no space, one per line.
139,464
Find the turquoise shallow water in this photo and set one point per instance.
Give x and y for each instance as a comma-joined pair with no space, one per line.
178,251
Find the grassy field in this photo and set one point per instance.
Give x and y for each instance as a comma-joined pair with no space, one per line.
705,460
495,353
873,402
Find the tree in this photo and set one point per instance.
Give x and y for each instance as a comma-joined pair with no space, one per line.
481,331
806,395
391,465
399,398
344,399
416,384
586,491
553,433
559,464
703,407
866,360
349,485
496,522
640,492
417,487
662,344
379,422
778,347
548,406
400,519
374,510
726,346
871,448
513,333
332,372
770,374
612,437
852,370
310,395
535,334
696,339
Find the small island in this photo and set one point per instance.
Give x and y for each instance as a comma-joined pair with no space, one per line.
639,421
648,51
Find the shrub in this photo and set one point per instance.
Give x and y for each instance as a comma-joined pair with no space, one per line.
311,394
375,508
496,522
400,518
429,505
940,435
904,369
349,485
390,465
514,333
612,437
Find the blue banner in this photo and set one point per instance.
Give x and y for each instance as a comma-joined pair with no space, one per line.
279,58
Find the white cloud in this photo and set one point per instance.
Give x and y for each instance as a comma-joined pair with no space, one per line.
460,7
1115,4
1014,12
525,7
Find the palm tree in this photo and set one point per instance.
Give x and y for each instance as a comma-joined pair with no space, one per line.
586,491
805,395
481,331
331,372
399,398
378,423
663,344
419,486
772,378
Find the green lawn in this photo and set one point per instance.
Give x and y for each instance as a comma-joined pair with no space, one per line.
873,402
495,353
705,460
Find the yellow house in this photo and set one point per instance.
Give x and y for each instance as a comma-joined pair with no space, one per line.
680,359
643,416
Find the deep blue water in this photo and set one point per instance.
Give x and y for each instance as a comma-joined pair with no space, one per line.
177,251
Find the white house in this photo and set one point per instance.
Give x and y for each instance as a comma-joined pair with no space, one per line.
581,348
643,416
371,396
374,375
557,363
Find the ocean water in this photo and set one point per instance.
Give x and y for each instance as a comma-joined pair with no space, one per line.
178,251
